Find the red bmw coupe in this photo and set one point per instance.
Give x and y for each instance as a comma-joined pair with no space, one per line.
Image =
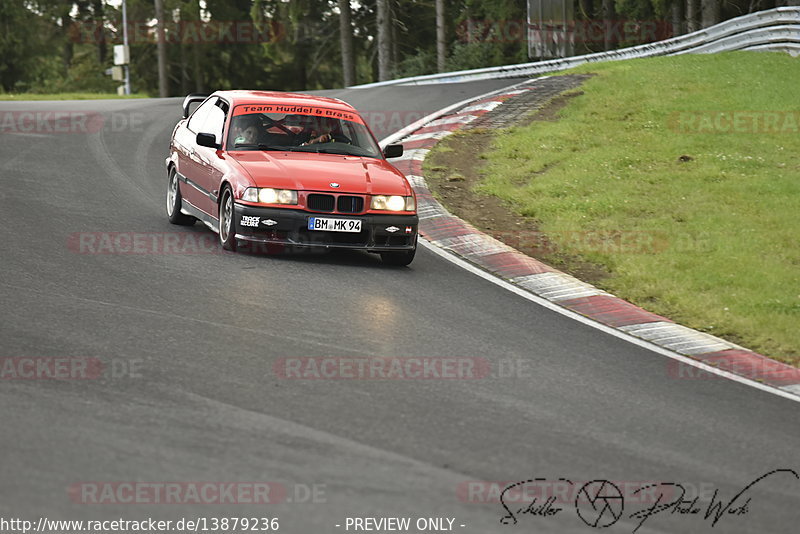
289,169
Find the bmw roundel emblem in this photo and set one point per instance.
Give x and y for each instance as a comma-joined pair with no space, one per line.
334,185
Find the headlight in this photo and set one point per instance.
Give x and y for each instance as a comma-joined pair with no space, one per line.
267,195
393,203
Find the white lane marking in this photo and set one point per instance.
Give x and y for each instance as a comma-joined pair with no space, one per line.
429,135
791,392
425,121
795,389
484,106
454,119
787,392
416,154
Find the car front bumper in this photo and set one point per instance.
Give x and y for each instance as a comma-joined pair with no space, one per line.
379,233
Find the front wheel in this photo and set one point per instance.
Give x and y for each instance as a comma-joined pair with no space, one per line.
175,202
400,258
227,231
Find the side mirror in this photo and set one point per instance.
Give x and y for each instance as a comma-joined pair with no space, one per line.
393,151
207,139
192,99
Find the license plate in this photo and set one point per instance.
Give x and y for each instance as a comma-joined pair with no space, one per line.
327,224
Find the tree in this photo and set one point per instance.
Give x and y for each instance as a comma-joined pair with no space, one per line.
710,12
161,44
692,19
346,39
441,46
609,18
384,40
677,18
99,16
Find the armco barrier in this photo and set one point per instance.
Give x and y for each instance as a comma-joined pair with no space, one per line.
774,30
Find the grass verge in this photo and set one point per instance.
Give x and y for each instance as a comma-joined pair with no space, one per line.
680,177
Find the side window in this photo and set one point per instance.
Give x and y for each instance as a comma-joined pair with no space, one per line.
199,116
215,121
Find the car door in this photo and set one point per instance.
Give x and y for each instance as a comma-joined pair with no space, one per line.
190,159
210,160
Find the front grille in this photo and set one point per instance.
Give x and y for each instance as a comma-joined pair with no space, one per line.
343,204
320,202
348,204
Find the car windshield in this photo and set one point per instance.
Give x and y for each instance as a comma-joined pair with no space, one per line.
313,130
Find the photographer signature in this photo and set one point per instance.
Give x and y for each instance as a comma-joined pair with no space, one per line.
600,503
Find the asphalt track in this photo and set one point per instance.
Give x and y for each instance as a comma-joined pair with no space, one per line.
205,329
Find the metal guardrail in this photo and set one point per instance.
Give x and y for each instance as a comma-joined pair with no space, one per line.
775,29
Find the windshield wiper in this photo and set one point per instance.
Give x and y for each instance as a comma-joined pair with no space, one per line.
341,152
260,146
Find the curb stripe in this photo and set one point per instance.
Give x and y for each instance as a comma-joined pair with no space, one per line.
559,291
611,310
742,362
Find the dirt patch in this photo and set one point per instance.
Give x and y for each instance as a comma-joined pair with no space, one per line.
453,171
550,111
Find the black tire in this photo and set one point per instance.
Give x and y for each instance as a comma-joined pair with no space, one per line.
175,202
227,226
400,258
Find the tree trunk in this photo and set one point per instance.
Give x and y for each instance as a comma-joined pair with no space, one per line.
69,49
302,53
609,19
193,15
677,18
384,37
711,12
161,47
184,70
98,9
346,39
441,47
394,58
583,20
199,84
692,20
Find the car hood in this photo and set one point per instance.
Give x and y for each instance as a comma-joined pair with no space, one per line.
316,172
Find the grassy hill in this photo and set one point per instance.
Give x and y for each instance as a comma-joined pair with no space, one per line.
680,176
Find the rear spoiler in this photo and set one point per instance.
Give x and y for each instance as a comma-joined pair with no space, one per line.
194,97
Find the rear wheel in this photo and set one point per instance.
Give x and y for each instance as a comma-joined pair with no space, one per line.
400,258
227,230
175,202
